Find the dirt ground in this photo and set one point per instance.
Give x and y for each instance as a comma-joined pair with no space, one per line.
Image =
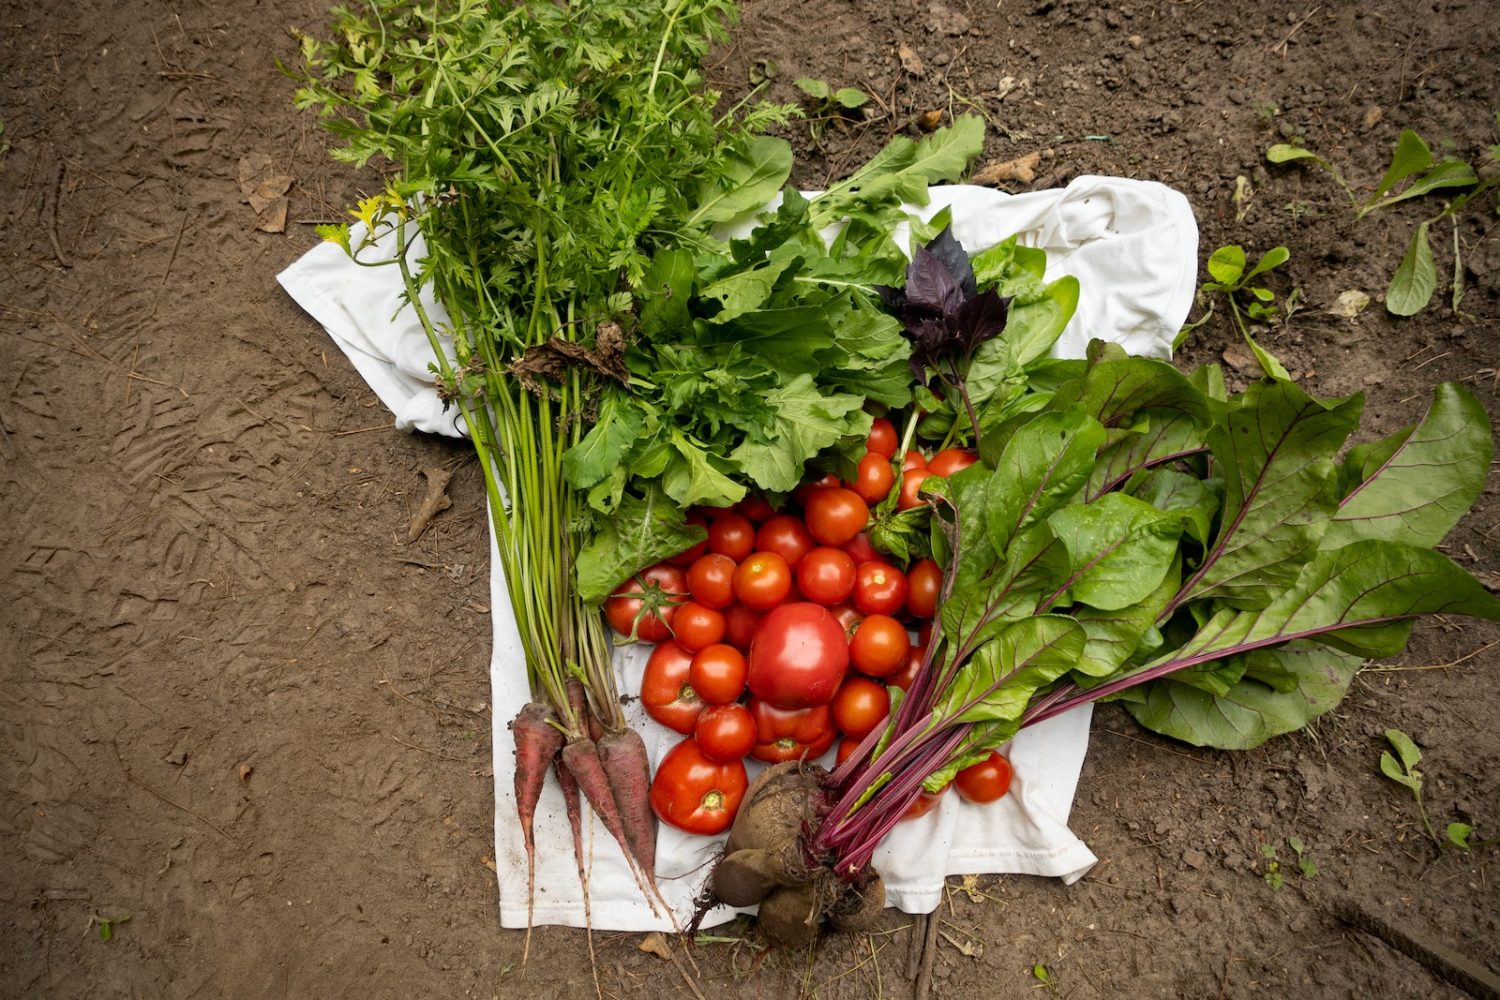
240,710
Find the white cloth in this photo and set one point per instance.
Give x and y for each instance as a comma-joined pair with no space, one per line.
1133,246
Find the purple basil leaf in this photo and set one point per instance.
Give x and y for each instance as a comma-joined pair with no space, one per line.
930,286
981,318
951,252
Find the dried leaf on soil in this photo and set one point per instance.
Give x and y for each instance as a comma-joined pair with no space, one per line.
910,61
265,190
1022,170
433,504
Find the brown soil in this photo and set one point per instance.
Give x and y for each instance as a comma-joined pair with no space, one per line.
240,709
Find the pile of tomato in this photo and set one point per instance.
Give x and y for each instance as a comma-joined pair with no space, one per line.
780,634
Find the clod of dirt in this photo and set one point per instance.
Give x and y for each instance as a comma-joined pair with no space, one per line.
1020,170
245,770
910,61
435,502
265,190
177,757
656,944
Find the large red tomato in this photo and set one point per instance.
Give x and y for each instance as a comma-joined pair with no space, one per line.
666,693
662,587
986,781
790,734
697,794
799,656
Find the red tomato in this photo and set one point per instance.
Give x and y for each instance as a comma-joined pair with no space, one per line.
664,587
835,515
756,509
909,486
799,657
860,706
951,460
924,634
696,626
790,734
732,535
725,732
873,478
687,556
924,582
882,439
923,804
912,460
848,619
740,625
879,589
903,677
801,493
762,581
879,646
986,781
786,536
860,549
718,674
666,693
695,793
711,581
826,576
845,750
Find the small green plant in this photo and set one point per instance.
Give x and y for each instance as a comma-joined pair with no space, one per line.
1247,300
1458,835
1273,875
1042,975
1305,863
827,104
1412,173
1402,769
107,925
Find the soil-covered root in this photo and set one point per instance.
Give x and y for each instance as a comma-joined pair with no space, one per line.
859,906
783,802
791,916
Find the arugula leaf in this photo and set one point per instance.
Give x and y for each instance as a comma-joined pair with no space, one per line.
806,421
642,530
691,477
1417,483
605,446
751,177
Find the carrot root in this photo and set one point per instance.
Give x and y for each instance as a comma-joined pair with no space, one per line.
569,786
537,742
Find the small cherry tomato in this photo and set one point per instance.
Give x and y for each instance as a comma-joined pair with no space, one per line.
882,439
786,536
732,535
860,707
860,549
923,804
912,460
910,484
845,750
826,576
903,677
725,732
847,617
718,674
762,581
697,794
711,581
879,647
646,603
799,657
873,478
986,781
790,733
801,493
690,555
740,625
879,589
695,626
835,515
924,633
951,460
756,509
666,693
924,581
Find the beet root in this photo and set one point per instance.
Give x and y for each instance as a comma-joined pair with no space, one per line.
791,915
859,906
750,874
780,804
